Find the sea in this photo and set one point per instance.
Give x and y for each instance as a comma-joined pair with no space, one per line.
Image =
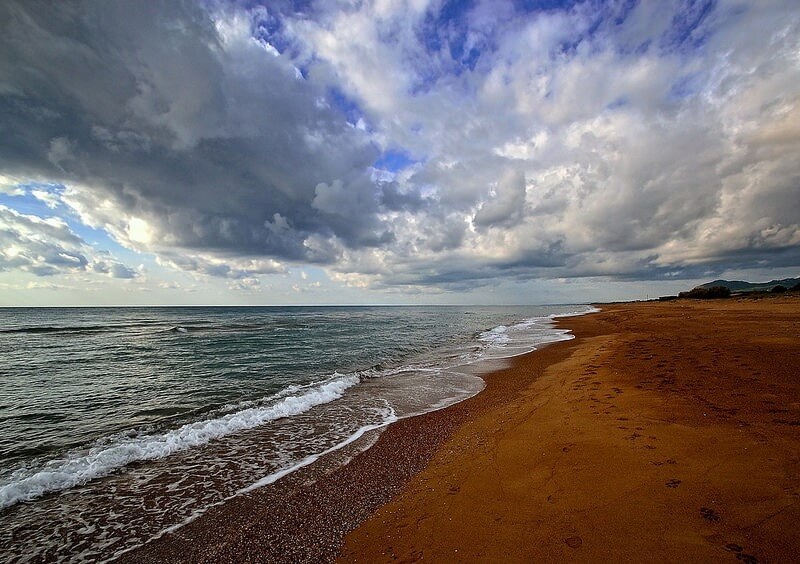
119,424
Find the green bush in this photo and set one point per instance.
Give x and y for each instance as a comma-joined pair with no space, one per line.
713,293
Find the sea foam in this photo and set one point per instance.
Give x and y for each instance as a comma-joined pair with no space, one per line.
496,336
590,309
79,467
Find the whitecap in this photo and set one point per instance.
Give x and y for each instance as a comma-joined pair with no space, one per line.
80,467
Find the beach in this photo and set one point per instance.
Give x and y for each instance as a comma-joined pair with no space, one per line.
133,422
662,432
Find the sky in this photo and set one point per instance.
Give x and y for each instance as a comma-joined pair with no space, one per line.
395,151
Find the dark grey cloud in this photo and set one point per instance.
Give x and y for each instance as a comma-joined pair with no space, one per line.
194,128
394,199
506,205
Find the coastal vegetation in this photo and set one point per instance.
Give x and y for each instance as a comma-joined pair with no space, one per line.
712,293
721,289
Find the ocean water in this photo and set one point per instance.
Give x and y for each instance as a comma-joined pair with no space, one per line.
117,424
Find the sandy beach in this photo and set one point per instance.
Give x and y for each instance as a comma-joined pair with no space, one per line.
668,433
663,432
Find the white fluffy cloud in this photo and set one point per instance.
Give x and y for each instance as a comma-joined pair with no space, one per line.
593,141
47,246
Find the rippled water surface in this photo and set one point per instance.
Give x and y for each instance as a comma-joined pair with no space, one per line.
117,423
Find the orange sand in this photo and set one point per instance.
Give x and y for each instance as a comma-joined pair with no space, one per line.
664,432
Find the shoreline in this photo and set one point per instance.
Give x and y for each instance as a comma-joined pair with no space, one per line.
312,508
568,453
668,433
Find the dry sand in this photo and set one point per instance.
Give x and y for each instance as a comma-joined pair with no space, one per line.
669,433
663,432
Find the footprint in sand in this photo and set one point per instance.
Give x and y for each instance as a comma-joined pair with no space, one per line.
574,542
709,514
741,555
674,483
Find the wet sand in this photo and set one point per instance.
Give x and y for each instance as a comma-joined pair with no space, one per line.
663,432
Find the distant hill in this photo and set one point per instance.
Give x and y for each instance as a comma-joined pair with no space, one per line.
741,286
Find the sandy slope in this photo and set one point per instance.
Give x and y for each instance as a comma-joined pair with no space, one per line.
665,432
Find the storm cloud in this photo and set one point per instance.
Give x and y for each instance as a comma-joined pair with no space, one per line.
176,131
627,140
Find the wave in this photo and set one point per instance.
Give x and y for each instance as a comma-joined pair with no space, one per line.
80,467
181,328
502,334
504,337
67,329
589,309
496,336
388,418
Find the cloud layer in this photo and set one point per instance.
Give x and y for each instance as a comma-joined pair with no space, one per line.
47,246
410,143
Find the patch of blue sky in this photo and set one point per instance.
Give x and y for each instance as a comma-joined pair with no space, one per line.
451,17
267,26
620,102
688,31
310,274
445,31
103,243
302,71
268,20
465,59
94,236
623,9
601,18
394,161
424,80
638,49
685,87
29,204
530,6
346,105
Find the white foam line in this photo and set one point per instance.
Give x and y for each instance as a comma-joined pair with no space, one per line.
497,338
266,480
81,467
447,402
555,338
591,309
